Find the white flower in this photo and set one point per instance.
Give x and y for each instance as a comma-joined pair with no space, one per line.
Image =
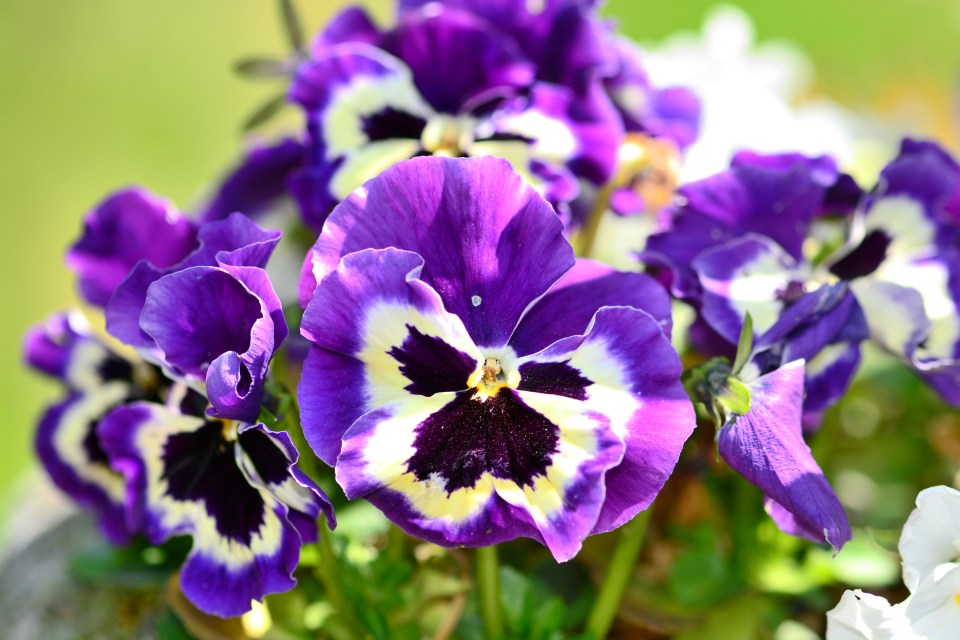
929,545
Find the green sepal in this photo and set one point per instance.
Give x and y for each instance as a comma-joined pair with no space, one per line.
735,397
744,345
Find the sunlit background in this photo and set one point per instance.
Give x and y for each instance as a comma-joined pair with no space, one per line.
96,94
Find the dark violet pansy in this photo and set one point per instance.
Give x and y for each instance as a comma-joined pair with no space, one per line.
97,379
903,262
213,319
128,226
746,241
234,488
444,81
766,447
472,379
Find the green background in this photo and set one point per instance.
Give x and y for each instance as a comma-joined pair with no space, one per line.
97,94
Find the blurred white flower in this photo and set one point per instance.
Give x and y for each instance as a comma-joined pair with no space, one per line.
929,547
753,98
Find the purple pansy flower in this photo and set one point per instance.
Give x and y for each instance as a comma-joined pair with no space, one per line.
903,262
233,487
224,348
195,460
129,226
746,241
97,379
765,445
471,378
443,81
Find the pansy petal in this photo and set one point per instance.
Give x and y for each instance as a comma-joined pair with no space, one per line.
455,57
568,308
828,377
894,313
198,314
453,470
469,250
374,309
67,445
625,369
129,226
766,447
931,535
580,131
353,24
53,348
259,180
184,479
235,241
749,275
269,460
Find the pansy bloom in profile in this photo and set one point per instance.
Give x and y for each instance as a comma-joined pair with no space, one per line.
97,378
447,81
473,380
201,463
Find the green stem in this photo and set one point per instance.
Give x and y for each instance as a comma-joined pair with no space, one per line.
619,571
587,235
329,569
488,586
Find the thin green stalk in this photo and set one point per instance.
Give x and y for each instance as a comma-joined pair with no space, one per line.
329,570
587,235
488,591
618,576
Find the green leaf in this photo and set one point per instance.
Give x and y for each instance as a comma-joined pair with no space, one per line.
262,68
292,25
735,397
744,344
134,567
169,627
265,112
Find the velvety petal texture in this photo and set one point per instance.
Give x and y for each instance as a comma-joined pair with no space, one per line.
449,391
766,447
127,227
233,490
213,319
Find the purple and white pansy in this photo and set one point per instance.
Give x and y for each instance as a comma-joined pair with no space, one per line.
232,486
472,379
161,431
97,379
444,81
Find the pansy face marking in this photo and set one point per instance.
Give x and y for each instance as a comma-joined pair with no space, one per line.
469,377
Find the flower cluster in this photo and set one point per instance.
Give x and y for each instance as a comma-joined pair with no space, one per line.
160,433
459,365
928,546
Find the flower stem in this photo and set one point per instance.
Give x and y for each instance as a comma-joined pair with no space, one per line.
587,235
618,575
329,569
488,585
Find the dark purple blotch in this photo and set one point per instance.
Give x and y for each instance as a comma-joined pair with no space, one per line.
469,437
